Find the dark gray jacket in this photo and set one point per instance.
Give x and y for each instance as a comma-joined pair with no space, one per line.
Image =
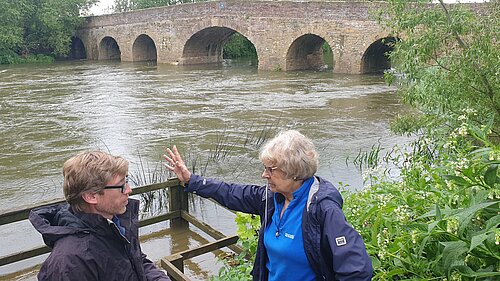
90,247
334,249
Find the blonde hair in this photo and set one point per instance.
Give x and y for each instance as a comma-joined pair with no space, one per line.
293,153
90,172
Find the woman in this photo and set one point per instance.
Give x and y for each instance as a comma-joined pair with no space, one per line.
304,234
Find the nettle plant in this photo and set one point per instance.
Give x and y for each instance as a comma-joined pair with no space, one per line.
439,220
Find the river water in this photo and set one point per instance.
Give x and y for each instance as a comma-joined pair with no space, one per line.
216,115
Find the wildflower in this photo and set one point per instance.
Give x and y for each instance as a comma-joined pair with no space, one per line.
414,237
402,213
462,131
455,276
451,185
470,111
452,225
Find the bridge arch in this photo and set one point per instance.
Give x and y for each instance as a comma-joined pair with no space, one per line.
77,49
206,45
144,49
306,53
109,49
376,59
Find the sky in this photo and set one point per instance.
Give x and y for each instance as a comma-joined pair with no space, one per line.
104,6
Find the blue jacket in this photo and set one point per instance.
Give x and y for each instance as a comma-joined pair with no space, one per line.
334,249
89,247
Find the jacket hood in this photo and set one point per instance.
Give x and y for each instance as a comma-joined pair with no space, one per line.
327,191
55,222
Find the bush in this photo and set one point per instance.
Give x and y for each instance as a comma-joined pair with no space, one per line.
440,219
10,57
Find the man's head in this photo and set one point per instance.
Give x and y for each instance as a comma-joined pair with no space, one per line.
92,182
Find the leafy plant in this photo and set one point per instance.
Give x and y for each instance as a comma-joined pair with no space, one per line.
239,267
440,220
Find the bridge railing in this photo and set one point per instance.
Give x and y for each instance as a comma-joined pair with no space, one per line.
178,215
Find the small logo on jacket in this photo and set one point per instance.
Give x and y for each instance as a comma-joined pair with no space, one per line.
340,241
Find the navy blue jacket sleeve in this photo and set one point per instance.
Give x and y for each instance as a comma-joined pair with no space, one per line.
151,271
350,260
237,197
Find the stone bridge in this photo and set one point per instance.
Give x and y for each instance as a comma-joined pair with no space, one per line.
286,35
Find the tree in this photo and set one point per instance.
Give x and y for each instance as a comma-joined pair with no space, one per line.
40,27
449,57
129,5
11,24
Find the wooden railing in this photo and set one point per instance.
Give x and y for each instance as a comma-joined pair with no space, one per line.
178,216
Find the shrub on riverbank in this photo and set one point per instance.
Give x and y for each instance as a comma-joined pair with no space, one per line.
440,219
13,58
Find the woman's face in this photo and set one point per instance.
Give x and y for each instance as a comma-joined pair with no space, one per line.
277,180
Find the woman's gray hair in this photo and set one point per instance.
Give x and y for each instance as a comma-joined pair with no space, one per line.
293,153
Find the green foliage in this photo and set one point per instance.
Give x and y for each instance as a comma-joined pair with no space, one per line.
238,46
9,57
239,267
447,60
440,220
11,27
129,5
38,27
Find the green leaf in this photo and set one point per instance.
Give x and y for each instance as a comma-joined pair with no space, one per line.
458,180
453,253
490,176
468,272
478,240
465,215
493,222
438,213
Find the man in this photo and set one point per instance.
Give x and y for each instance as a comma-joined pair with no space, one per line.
94,236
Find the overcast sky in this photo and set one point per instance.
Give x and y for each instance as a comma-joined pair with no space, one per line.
104,6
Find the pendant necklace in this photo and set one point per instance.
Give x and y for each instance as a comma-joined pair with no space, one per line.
278,223
278,229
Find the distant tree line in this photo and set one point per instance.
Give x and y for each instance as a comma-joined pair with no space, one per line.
129,5
38,30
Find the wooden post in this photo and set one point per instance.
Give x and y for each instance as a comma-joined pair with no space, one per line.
178,201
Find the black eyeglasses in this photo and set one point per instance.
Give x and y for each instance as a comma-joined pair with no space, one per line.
122,187
269,170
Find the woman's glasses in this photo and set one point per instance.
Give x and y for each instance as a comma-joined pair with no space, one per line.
269,170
